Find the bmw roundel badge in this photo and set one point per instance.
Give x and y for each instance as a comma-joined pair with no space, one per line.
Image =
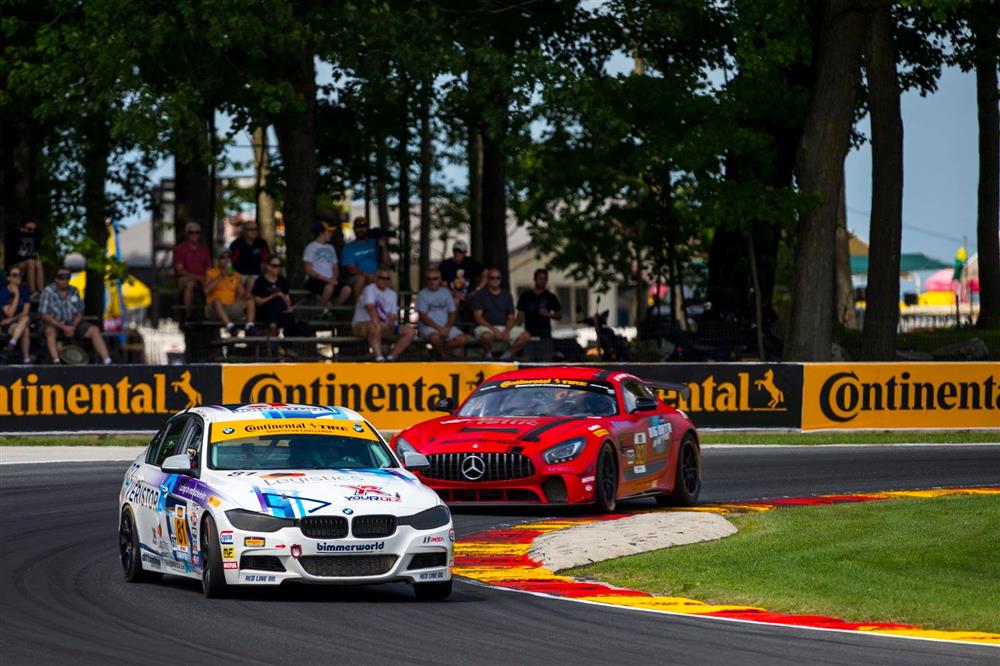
358,427
348,511
228,431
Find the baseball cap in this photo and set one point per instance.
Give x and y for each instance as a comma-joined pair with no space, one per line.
461,246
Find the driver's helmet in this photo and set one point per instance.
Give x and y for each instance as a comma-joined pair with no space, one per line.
597,405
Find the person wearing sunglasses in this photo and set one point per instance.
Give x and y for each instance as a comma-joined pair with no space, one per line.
61,309
226,295
376,318
21,251
495,317
249,252
191,262
362,257
437,312
15,304
270,295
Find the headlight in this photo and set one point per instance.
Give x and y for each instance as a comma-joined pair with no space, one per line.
565,452
439,516
251,521
402,446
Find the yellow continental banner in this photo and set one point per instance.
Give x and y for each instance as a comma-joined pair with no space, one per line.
223,431
901,395
392,396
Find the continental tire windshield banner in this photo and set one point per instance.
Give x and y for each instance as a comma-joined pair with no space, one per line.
901,395
101,398
731,395
392,396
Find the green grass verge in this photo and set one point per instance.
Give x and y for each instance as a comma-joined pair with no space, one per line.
75,440
863,437
932,563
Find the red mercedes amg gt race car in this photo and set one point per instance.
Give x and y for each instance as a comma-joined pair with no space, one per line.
559,435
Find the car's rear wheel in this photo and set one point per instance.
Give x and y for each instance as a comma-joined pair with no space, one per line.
606,480
432,591
129,551
213,576
687,483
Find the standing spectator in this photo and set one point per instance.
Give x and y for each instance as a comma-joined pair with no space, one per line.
21,250
494,314
249,253
376,318
437,313
191,261
536,308
462,273
274,305
361,257
322,271
15,304
62,311
227,295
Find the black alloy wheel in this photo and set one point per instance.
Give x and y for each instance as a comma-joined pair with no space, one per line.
687,483
213,576
129,552
606,481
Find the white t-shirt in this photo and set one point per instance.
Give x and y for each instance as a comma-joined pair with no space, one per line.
323,257
386,302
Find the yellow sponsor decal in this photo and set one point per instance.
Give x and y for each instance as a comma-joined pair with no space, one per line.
224,431
228,552
253,542
901,395
543,382
393,395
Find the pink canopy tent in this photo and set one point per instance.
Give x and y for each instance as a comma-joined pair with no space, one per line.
941,281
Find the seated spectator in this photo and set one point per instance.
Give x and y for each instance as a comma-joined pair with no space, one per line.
21,251
376,318
494,315
15,304
536,308
437,312
322,271
274,305
191,261
361,257
62,313
249,252
227,296
461,273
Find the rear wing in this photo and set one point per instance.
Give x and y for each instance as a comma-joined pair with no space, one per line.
682,389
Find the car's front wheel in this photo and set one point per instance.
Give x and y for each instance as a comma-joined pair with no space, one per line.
432,591
213,576
687,483
129,551
606,480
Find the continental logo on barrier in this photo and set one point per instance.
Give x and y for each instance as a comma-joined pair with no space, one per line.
35,394
895,395
716,395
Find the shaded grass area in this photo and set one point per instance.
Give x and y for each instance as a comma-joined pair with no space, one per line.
75,440
928,341
932,563
858,437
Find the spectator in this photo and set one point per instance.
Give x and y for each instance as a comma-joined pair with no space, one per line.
249,253
274,305
436,314
462,273
536,308
361,257
62,311
191,261
494,315
376,318
15,304
227,295
21,251
322,271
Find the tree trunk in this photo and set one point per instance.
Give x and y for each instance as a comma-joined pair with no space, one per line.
494,205
381,189
296,130
819,170
22,178
475,152
262,170
97,137
878,339
193,185
405,229
987,48
426,167
844,288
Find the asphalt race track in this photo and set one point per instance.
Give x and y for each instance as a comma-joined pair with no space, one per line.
63,599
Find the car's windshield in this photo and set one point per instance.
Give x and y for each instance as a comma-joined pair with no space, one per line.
261,445
542,397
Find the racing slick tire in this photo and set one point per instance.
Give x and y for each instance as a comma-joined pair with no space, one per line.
213,577
432,591
687,484
606,481
130,553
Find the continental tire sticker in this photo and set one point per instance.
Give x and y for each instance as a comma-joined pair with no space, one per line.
228,430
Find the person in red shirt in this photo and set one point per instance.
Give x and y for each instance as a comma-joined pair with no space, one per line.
191,261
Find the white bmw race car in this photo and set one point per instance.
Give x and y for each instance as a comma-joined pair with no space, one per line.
268,493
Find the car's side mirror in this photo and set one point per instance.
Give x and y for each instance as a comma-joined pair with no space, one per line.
443,405
646,405
415,461
179,464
